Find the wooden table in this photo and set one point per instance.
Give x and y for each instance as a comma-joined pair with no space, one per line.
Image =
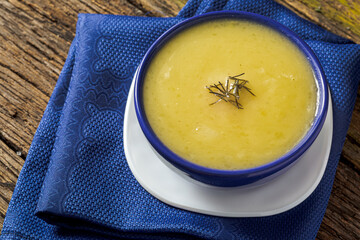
35,37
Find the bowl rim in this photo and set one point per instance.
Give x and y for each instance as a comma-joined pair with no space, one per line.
277,164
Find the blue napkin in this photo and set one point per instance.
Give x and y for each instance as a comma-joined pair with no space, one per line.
75,183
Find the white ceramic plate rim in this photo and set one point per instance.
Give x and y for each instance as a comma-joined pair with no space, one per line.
279,195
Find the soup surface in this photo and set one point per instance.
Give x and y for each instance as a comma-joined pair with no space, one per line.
221,136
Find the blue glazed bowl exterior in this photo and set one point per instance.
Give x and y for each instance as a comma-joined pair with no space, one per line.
231,178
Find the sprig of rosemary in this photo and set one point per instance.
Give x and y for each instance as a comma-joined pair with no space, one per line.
231,91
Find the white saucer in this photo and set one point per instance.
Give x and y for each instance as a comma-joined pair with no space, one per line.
280,194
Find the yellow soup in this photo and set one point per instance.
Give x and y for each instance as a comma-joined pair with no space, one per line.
221,136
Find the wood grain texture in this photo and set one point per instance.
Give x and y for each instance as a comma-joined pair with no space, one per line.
35,36
342,217
339,16
10,166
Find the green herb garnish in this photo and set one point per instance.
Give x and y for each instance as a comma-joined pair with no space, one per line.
231,91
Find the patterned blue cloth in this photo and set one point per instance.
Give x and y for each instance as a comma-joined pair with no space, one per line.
76,184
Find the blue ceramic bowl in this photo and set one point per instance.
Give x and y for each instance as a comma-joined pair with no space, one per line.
231,178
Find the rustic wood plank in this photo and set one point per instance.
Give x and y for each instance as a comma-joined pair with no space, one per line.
341,16
342,217
10,166
34,39
159,8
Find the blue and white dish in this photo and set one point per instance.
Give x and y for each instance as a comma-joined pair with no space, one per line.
231,178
